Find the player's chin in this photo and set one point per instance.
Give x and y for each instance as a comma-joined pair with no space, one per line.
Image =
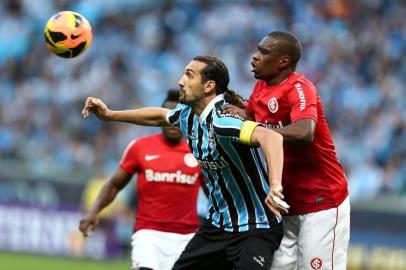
182,97
172,133
257,75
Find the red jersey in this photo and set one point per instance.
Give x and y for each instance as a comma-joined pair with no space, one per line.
313,179
168,182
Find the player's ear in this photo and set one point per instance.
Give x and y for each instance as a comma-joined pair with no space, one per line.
285,61
209,87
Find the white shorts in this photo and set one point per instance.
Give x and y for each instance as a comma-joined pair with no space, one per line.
157,250
315,241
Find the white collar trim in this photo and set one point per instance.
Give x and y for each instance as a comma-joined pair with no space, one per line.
209,107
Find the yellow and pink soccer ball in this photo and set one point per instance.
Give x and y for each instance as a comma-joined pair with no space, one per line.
68,34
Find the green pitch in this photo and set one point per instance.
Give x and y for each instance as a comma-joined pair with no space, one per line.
14,261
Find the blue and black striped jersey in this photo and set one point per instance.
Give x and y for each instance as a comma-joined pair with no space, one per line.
236,178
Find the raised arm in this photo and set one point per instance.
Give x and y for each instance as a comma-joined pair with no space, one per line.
152,116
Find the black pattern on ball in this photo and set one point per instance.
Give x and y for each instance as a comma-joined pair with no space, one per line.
67,54
78,49
47,40
78,20
57,36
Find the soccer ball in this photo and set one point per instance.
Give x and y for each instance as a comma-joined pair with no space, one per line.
68,34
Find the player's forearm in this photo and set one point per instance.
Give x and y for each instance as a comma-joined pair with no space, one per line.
300,132
272,146
145,116
105,197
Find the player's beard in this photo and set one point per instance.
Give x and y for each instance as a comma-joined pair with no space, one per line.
182,97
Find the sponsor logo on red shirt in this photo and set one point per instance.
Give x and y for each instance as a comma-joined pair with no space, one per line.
178,177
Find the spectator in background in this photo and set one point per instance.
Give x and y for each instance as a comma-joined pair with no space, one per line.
357,62
168,182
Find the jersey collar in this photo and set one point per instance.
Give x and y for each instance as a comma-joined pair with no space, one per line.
209,107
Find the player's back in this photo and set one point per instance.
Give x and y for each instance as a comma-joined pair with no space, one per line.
313,179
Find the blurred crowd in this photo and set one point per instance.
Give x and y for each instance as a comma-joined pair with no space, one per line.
354,51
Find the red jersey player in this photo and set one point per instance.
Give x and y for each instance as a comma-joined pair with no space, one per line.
314,183
167,189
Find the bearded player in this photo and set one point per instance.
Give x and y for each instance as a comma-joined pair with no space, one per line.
167,189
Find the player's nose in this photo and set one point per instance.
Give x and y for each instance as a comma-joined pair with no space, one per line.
255,57
181,82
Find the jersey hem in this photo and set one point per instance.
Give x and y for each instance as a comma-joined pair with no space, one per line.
318,208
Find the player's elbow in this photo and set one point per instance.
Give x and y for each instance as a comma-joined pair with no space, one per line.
306,131
306,136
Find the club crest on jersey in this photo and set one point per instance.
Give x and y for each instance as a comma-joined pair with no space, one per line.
190,160
316,263
273,105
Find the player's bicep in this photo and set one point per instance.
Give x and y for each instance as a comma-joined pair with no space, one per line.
228,125
303,102
120,178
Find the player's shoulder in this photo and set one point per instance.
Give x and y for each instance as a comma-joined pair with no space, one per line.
177,112
299,80
220,118
259,85
145,140
181,107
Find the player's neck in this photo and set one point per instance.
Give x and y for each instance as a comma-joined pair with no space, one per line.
199,107
281,77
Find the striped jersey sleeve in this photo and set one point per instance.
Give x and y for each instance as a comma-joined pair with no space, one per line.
228,125
174,115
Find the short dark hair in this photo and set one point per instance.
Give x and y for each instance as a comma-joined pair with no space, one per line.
172,96
288,44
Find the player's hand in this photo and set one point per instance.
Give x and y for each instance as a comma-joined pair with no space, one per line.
97,107
88,223
228,108
275,202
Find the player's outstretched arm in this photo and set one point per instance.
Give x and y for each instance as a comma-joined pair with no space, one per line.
143,116
109,191
271,144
